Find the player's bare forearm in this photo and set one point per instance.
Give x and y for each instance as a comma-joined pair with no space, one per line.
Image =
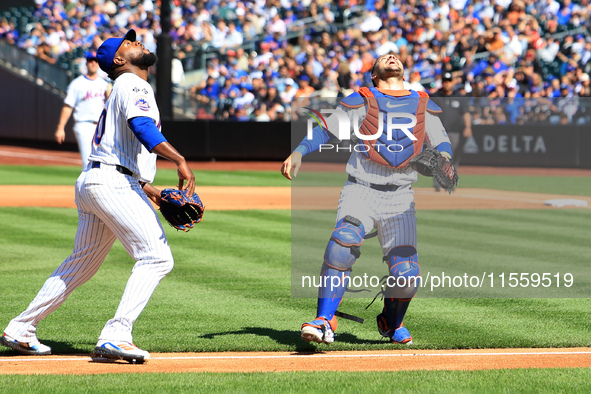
293,162
152,193
60,133
468,123
166,150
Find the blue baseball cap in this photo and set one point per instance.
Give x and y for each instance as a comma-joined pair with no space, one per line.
106,52
90,55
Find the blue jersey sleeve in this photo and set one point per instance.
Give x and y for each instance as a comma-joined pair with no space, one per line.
319,136
146,131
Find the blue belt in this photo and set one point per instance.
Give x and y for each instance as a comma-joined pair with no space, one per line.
121,169
382,188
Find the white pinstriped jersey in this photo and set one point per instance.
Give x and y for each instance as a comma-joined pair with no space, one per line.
369,171
87,97
114,142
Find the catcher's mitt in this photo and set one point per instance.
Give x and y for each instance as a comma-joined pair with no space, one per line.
180,210
430,162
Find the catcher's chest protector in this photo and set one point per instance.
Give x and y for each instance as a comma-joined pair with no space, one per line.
397,151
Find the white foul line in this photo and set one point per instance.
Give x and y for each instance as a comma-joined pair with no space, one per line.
315,356
364,355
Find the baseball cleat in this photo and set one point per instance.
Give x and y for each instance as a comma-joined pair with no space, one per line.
121,351
35,347
400,335
318,330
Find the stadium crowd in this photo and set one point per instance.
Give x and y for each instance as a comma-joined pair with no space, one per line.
266,53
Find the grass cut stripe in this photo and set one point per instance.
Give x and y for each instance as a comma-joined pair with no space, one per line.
489,381
62,175
572,185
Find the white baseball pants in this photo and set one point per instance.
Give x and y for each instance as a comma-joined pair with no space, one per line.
111,206
84,132
392,213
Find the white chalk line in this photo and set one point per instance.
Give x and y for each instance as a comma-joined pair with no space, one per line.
39,157
297,356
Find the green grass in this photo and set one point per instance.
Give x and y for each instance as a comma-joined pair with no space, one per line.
230,289
494,244
536,184
491,381
62,175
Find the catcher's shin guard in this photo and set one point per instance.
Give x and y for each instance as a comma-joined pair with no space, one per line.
341,253
401,287
331,292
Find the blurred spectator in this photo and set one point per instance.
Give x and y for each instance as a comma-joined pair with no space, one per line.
178,72
304,90
234,37
289,93
260,114
585,86
414,82
218,34
386,45
207,96
44,53
245,99
276,24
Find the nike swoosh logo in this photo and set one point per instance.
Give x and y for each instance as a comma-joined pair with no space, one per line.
402,273
394,105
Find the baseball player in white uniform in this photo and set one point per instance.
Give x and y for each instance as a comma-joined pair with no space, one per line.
86,99
113,198
378,194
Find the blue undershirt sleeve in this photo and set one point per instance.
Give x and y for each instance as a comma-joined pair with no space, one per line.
319,136
146,131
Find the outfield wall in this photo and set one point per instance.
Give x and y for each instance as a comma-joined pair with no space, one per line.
529,146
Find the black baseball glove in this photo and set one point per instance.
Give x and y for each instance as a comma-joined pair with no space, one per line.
430,162
180,210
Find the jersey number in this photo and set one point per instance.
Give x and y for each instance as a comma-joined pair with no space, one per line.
100,128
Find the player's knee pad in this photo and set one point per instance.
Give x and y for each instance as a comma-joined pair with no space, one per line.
343,249
404,279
